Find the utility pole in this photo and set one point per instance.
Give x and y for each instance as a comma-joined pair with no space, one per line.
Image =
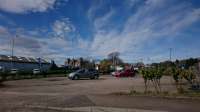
113,63
12,50
170,54
40,63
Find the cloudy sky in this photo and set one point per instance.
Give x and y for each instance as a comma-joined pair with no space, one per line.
138,29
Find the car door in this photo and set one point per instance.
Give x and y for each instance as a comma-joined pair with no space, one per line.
81,73
84,73
132,73
128,73
87,73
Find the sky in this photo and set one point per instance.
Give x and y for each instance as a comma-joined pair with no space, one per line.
140,30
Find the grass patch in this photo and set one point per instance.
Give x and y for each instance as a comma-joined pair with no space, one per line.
164,94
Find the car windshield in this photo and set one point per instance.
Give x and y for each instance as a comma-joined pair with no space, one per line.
80,71
92,70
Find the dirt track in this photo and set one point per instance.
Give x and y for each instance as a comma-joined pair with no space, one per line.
61,94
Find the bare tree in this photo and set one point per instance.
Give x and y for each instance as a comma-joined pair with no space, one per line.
114,56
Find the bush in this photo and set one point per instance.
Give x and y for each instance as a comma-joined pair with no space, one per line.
153,75
179,74
58,71
188,75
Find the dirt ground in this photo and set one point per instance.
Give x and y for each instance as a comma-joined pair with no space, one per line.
60,94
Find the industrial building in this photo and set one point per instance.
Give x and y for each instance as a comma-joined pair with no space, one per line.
23,63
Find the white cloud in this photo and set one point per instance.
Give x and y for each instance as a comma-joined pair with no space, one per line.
91,13
83,44
155,19
101,22
26,45
63,27
23,6
30,43
155,2
3,30
132,3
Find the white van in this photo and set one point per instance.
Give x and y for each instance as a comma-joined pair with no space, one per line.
13,71
36,71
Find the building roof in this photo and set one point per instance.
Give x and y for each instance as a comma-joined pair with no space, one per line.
22,59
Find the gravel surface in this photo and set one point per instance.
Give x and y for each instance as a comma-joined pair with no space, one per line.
61,94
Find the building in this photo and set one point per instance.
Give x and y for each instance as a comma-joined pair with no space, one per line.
73,63
23,63
79,63
138,65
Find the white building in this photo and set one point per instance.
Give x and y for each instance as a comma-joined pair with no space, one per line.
23,63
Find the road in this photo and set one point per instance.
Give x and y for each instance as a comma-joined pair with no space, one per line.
59,94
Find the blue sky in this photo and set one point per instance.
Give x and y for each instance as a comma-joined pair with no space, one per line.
138,29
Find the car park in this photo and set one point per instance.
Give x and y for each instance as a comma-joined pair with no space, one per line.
84,73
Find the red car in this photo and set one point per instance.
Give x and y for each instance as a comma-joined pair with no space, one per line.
125,73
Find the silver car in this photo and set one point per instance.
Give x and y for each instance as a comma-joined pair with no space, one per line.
84,73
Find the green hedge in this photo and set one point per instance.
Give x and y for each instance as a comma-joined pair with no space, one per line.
27,74
58,72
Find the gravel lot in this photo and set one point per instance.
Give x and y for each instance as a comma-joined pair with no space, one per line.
60,94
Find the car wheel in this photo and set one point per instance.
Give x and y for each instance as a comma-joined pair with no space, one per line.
92,77
96,77
76,77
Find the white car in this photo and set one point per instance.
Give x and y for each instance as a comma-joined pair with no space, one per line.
1,68
13,71
113,73
36,71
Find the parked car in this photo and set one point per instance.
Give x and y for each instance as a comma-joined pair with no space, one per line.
14,71
125,73
36,71
116,72
113,73
84,73
1,69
